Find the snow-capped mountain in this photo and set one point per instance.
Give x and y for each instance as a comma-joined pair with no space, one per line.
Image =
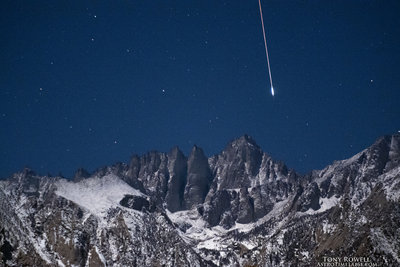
237,208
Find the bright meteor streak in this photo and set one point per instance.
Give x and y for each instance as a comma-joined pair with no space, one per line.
266,48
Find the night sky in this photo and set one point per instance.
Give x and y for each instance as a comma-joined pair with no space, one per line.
90,83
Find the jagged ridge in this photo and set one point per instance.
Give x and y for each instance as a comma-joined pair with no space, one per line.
239,207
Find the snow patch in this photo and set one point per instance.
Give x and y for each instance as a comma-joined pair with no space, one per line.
327,227
196,230
60,263
102,259
249,244
96,194
279,238
40,247
325,203
305,254
276,211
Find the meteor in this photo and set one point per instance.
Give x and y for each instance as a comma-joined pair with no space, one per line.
266,48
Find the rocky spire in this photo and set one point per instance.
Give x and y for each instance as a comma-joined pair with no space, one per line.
177,167
198,178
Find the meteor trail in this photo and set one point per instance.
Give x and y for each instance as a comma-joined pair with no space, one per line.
266,48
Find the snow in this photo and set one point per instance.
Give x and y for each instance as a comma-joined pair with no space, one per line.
132,218
276,211
103,260
391,181
333,170
325,203
249,244
382,243
86,217
279,238
305,254
187,216
96,195
363,220
327,227
112,246
60,263
40,247
39,243
217,238
209,238
211,244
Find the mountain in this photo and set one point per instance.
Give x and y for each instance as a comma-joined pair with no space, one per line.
237,208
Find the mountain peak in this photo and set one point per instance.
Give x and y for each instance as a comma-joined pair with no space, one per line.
247,138
197,150
81,174
25,173
269,214
175,152
244,141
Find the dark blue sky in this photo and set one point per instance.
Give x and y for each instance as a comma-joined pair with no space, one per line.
89,83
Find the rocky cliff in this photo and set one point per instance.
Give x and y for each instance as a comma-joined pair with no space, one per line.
237,208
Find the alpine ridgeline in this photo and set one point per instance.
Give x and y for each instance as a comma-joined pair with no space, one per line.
238,208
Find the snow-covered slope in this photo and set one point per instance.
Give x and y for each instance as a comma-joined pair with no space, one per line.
96,194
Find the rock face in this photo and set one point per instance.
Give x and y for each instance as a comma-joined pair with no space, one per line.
177,167
237,208
246,184
137,203
198,178
81,174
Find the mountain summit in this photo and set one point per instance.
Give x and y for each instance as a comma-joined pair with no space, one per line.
237,208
